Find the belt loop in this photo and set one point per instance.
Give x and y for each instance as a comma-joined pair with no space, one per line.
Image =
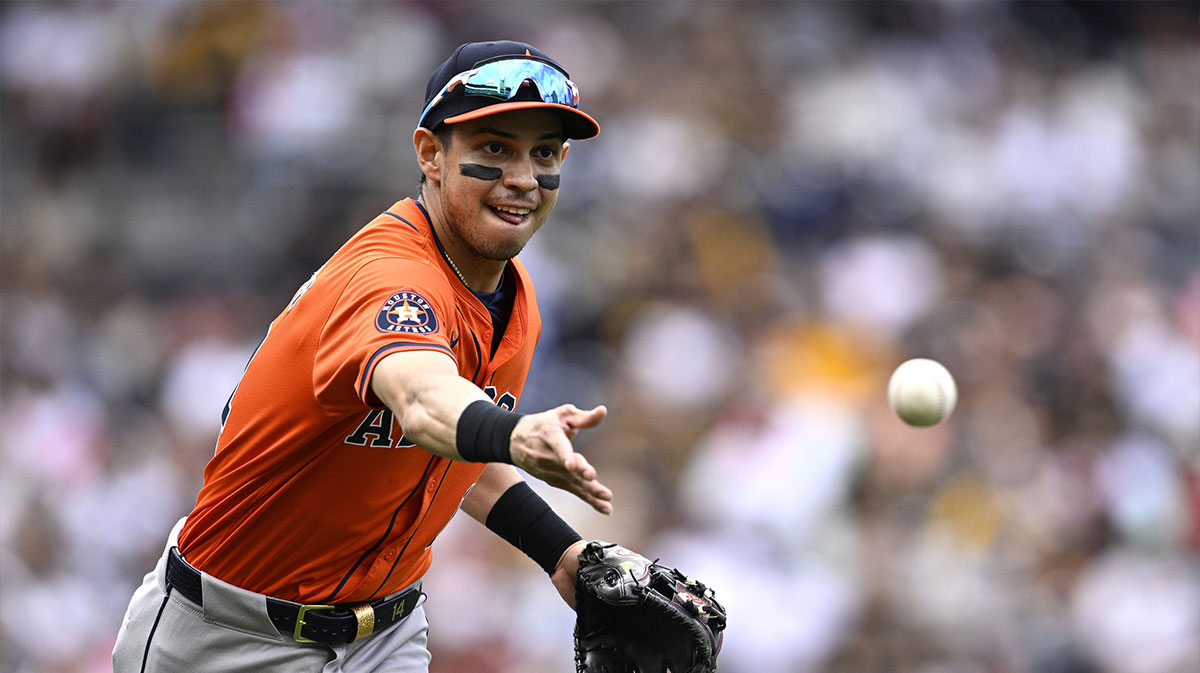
365,616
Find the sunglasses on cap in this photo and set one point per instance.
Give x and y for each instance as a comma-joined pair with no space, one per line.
503,79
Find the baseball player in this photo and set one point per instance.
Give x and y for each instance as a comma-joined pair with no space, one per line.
380,402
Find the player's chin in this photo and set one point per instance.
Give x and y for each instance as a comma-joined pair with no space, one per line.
506,239
502,248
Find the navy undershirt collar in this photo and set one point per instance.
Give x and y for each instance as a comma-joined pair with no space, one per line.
499,304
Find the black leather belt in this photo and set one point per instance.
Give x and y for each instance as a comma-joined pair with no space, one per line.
330,624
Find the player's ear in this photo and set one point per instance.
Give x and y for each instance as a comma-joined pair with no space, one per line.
566,146
429,153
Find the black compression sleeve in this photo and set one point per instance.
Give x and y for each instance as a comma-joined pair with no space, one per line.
527,522
483,433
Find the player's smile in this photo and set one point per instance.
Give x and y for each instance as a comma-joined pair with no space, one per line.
512,214
512,217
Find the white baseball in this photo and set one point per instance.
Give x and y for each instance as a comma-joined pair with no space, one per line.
922,392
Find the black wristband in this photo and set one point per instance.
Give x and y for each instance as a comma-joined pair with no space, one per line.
527,522
484,432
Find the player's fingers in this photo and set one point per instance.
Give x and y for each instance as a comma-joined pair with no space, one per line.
576,418
597,496
581,467
591,487
598,491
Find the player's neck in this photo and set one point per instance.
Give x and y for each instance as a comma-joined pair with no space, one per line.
478,273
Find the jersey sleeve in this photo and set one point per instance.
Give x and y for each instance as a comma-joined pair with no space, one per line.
388,305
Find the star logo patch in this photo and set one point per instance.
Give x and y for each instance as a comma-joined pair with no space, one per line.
406,312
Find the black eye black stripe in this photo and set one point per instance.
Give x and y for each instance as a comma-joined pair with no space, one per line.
489,173
480,172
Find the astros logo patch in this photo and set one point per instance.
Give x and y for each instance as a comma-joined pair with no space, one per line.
407,313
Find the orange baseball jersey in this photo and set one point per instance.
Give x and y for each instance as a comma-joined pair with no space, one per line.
314,495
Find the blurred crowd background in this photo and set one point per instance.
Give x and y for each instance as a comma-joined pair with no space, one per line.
786,200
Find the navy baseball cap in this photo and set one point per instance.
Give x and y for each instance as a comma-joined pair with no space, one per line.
484,78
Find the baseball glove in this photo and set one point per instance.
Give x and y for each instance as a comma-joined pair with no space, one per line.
636,616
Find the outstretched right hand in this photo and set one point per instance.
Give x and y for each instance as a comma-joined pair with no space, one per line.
541,445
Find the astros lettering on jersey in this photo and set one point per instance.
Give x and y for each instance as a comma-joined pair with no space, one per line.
314,495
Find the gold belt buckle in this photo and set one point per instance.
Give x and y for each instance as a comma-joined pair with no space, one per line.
305,609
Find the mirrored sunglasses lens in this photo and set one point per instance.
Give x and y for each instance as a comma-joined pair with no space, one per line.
503,79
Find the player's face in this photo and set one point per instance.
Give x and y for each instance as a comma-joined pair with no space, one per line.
500,179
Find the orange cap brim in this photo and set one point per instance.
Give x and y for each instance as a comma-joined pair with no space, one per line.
577,125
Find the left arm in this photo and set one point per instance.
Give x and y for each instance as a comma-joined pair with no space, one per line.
495,480
498,478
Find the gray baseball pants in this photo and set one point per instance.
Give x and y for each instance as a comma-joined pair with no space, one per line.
231,633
